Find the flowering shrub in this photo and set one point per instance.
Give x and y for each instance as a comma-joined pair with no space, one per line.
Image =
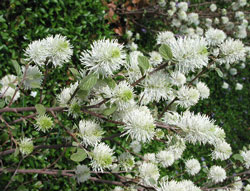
216,20
120,102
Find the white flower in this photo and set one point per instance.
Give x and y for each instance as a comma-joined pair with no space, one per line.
177,78
176,145
127,161
140,124
193,166
44,123
118,188
222,151
150,157
185,185
82,173
105,57
33,94
155,58
129,33
149,172
166,158
171,117
164,37
193,18
224,20
213,7
209,22
216,21
122,95
217,174
232,51
9,82
182,15
59,50
156,87
183,6
199,31
26,146
90,132
238,184
247,188
37,51
215,36
187,96
136,146
102,157
189,53
203,89
66,94
33,77
225,85
133,46
239,15
133,66
246,157
242,3
199,128
238,86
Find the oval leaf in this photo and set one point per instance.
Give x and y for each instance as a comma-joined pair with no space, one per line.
166,52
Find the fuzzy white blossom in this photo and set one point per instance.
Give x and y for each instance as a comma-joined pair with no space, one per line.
102,157
44,123
177,78
246,157
150,157
192,166
82,173
203,89
200,128
224,20
9,83
37,51
155,58
215,36
225,85
222,151
183,6
136,146
90,132
232,51
187,96
213,7
193,18
165,158
122,95
26,146
153,90
64,97
189,53
238,86
59,50
127,161
173,185
164,37
217,174
104,57
32,77
139,124
149,172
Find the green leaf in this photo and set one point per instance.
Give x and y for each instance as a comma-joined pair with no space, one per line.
35,84
74,72
219,72
111,83
41,110
82,94
143,63
238,157
2,103
17,67
110,110
166,52
16,152
88,82
79,156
